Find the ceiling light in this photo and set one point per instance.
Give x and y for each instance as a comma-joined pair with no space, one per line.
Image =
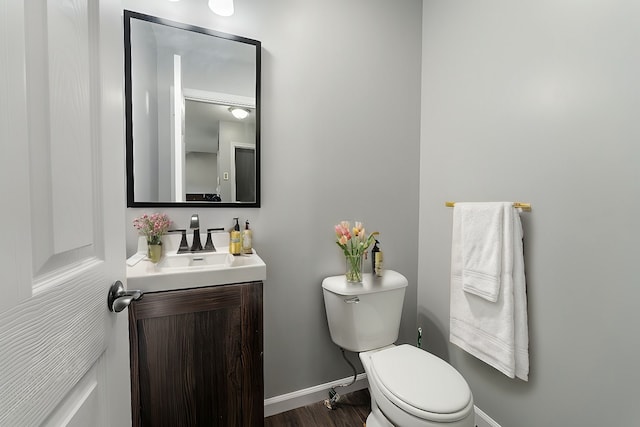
221,7
239,113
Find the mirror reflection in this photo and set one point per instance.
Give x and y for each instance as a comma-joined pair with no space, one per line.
192,115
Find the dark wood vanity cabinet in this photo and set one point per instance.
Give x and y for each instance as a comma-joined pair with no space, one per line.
196,357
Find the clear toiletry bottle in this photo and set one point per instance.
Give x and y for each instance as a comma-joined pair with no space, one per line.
247,239
376,260
235,245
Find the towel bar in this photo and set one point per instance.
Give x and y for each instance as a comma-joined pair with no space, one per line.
524,206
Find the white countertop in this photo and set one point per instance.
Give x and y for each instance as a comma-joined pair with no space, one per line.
149,277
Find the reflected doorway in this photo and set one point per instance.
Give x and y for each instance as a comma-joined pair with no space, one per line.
244,170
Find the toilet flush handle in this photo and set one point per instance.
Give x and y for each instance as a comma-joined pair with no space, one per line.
353,300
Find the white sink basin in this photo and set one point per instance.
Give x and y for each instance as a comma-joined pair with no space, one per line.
190,270
197,260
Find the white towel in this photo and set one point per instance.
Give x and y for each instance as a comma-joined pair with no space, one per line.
481,243
495,332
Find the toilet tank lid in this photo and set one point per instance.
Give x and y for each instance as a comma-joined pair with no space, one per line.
390,280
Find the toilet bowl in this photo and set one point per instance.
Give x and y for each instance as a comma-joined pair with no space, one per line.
413,388
409,387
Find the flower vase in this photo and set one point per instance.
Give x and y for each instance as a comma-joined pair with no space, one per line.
354,268
154,252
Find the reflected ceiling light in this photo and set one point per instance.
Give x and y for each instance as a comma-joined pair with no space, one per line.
221,7
239,113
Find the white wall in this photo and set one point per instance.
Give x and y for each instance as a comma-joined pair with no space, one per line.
340,137
539,101
145,115
201,172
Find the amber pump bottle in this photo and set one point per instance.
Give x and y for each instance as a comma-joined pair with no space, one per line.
235,245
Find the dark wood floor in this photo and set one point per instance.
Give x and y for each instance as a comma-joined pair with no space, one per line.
352,411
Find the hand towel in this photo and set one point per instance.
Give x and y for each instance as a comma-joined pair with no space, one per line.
494,332
481,243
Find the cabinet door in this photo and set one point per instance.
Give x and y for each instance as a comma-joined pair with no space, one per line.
196,357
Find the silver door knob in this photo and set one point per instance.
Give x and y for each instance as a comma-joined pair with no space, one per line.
119,298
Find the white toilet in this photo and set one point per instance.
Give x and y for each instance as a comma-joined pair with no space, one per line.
409,387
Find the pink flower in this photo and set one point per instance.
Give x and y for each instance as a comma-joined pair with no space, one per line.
153,227
354,244
342,230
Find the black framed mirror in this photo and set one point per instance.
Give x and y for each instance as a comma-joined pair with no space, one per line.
192,103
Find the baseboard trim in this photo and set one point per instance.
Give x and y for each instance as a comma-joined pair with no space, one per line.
297,399
484,420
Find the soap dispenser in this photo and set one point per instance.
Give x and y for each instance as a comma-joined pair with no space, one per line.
247,239
235,246
376,260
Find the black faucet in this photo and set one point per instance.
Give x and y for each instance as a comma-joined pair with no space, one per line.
209,246
184,246
196,246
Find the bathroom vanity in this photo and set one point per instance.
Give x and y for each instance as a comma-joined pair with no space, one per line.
196,357
196,334
196,340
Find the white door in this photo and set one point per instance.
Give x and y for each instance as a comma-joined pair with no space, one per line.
63,355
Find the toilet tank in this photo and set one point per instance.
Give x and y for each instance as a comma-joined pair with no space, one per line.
364,316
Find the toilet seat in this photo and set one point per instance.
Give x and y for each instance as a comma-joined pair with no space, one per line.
421,384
